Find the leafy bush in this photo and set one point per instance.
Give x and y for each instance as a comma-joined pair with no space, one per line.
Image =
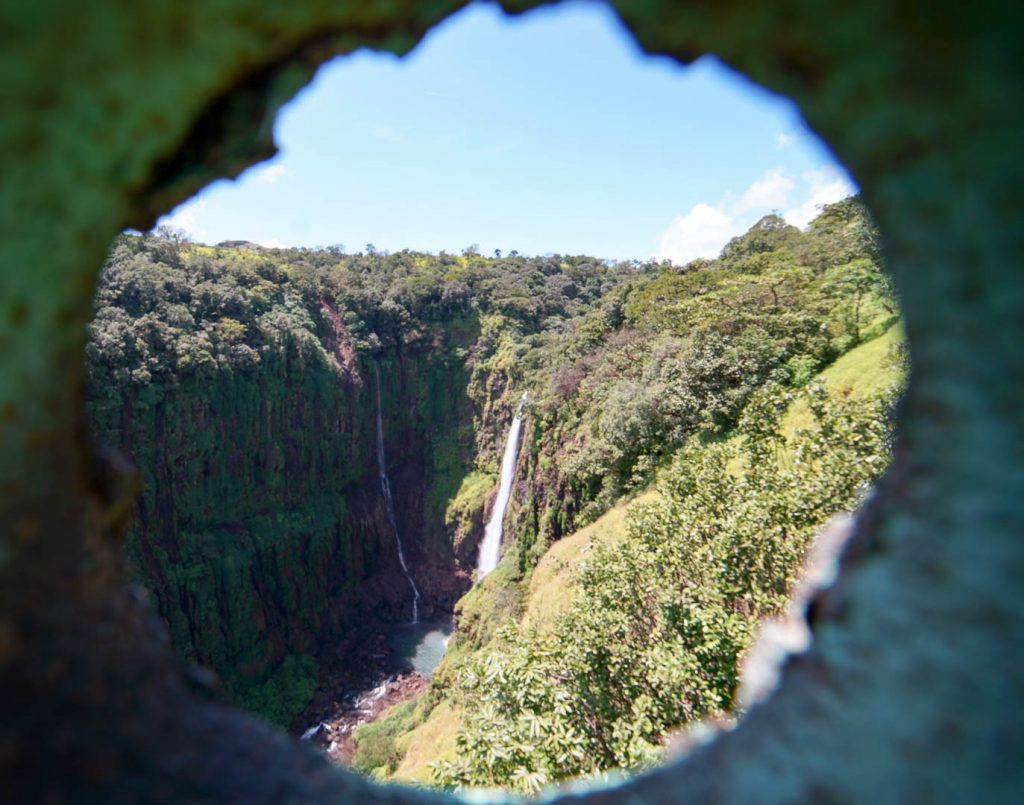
801,369
655,638
286,693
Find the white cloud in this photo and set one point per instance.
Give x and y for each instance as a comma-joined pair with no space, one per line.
825,186
270,174
186,216
769,192
784,139
271,243
705,229
702,232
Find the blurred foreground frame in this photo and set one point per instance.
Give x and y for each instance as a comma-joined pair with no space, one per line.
912,691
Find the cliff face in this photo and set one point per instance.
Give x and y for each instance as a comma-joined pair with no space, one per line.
261,530
428,437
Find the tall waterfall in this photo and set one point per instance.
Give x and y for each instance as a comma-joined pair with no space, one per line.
490,547
390,504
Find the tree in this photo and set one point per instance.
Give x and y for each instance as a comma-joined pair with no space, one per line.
849,285
174,234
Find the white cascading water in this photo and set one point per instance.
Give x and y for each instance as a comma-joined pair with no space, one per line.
390,505
490,547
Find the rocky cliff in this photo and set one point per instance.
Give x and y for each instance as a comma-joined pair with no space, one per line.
260,530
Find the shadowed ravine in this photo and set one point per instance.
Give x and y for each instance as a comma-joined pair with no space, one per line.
389,502
401,660
387,664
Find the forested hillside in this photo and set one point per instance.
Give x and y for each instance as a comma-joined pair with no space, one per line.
662,609
241,382
701,389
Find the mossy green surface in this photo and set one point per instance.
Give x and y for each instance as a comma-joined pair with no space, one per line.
260,513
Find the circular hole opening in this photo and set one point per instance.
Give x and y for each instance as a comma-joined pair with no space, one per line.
668,457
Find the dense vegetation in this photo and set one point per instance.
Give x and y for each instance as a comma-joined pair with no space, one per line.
240,382
676,380
680,352
654,639
239,379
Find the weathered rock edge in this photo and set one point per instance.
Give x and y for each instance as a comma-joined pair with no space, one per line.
113,112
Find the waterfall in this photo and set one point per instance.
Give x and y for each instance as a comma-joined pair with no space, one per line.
490,547
389,503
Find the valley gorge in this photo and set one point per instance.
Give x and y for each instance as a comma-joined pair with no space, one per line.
297,490
326,443
389,502
261,531
116,113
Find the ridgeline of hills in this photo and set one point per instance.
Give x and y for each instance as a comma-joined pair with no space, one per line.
241,382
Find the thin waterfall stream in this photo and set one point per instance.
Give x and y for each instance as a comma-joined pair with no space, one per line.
389,503
392,665
490,546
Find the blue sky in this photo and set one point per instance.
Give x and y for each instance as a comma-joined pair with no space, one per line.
547,132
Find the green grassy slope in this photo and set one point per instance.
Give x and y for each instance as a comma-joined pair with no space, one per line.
864,371
551,588
552,585
430,742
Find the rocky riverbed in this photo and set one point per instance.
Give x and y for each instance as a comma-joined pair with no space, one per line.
368,674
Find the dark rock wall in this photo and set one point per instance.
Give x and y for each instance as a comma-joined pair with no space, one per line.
260,529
